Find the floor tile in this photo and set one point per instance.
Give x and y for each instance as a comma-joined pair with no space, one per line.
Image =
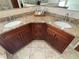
38,44
37,53
23,53
40,49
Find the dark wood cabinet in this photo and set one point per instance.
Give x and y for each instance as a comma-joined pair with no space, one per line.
77,48
15,3
58,39
39,30
17,38
59,43
50,35
26,34
11,41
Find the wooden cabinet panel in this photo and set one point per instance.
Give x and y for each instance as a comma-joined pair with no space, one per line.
59,43
26,34
58,38
15,39
50,35
39,30
77,48
60,32
12,42
15,3
56,41
19,37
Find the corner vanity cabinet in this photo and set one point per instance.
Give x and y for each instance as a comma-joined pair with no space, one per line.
17,38
39,30
58,38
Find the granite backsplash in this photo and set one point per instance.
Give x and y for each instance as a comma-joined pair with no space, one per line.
57,18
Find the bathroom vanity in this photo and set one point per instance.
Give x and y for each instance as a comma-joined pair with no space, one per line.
15,39
34,28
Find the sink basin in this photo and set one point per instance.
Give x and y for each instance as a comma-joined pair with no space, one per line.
12,24
63,25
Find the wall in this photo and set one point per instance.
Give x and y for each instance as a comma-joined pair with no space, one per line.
61,11
33,1
53,1
73,4
5,4
8,13
29,2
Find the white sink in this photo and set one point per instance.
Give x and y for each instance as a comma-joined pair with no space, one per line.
12,24
63,25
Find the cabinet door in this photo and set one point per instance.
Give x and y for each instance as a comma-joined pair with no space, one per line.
50,35
59,43
39,30
26,34
12,42
77,48
58,38
16,39
15,3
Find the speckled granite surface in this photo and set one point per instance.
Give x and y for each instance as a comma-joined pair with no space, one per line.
27,18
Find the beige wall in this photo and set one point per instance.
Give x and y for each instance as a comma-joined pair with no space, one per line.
73,4
53,1
5,4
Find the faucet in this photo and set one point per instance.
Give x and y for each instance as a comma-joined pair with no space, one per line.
66,17
10,18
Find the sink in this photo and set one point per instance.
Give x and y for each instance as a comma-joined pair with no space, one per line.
62,24
12,24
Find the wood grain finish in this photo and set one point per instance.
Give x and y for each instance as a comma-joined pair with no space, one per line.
15,3
15,39
58,38
77,48
39,30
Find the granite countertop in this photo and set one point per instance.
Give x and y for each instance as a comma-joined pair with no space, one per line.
31,18
44,19
11,12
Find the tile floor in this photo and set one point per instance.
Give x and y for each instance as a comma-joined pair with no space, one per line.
39,49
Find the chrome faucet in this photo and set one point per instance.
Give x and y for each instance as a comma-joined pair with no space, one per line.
10,18
66,17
